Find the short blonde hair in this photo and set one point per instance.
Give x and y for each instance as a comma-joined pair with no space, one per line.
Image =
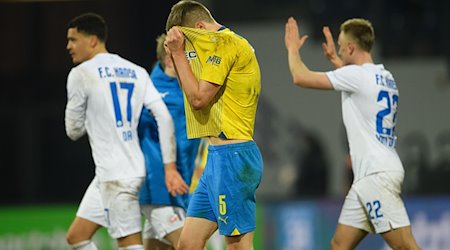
186,13
361,31
160,50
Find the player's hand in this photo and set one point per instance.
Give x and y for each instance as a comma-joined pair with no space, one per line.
329,49
292,38
174,40
174,182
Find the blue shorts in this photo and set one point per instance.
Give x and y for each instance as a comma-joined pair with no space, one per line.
226,192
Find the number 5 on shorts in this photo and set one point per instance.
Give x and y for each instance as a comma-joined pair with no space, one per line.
222,205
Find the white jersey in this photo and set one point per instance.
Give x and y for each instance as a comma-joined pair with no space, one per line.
369,110
105,96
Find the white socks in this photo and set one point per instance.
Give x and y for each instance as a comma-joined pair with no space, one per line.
132,247
89,245
84,245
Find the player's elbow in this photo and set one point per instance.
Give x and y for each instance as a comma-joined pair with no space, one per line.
74,133
312,81
73,136
299,80
197,103
197,106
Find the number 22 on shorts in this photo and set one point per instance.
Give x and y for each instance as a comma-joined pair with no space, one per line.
373,209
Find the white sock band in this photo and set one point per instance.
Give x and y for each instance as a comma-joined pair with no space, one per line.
84,245
133,247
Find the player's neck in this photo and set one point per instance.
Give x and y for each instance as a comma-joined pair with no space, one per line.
363,58
99,50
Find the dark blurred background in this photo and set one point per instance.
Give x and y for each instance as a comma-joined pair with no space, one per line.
39,164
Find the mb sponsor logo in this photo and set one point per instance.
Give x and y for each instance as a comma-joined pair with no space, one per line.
214,60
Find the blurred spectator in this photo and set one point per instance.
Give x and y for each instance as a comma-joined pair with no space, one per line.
414,152
442,165
309,158
407,27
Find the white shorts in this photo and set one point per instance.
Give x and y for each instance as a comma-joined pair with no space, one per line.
373,203
114,205
161,221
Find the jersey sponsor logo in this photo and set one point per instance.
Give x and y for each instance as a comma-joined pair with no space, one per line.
106,72
224,220
385,81
165,94
191,54
214,60
174,218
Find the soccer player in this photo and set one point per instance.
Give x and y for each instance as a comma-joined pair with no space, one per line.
369,107
216,241
220,77
105,96
165,212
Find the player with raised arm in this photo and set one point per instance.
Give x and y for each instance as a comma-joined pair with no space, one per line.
105,96
370,99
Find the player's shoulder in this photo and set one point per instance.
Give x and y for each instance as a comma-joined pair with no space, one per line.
87,65
348,70
79,70
359,69
138,68
354,67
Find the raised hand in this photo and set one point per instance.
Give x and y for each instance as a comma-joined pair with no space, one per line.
292,38
174,40
329,49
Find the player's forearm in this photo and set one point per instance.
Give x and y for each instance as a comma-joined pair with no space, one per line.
74,129
187,79
298,69
166,131
170,166
303,77
75,112
336,61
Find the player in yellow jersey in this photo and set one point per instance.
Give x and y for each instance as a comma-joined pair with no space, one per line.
220,77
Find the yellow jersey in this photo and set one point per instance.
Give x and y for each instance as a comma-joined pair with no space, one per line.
227,59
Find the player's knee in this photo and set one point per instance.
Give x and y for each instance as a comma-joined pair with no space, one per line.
83,245
333,244
182,245
405,246
71,238
190,245
336,244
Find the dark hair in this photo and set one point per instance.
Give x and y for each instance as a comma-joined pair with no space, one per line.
91,24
